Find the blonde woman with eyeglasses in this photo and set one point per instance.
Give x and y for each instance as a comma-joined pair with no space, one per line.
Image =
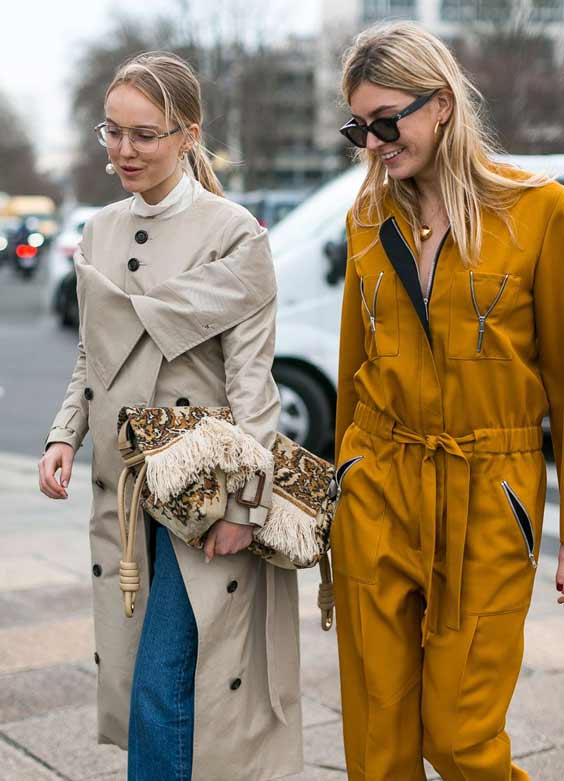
177,302
451,355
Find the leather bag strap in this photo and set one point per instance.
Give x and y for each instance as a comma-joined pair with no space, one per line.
326,596
129,580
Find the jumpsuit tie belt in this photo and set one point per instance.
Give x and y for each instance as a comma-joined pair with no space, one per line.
457,493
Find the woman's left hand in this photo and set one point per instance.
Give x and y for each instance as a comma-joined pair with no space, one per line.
560,576
225,538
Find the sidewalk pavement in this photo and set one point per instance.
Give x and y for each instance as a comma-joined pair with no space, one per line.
48,677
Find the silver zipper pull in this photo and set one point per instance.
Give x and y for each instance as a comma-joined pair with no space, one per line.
533,560
373,324
426,302
481,331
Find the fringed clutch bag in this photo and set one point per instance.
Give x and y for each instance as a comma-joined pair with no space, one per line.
185,461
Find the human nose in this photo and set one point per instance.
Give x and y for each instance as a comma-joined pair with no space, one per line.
126,147
373,143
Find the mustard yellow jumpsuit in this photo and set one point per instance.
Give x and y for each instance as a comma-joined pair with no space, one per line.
442,487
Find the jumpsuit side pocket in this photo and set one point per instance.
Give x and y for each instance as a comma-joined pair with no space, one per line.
523,520
357,528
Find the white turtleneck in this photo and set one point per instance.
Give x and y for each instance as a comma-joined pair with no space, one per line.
179,198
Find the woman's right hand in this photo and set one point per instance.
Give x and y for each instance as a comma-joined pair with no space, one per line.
58,456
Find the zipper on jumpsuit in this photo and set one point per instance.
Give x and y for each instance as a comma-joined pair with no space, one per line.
371,312
523,520
483,317
429,290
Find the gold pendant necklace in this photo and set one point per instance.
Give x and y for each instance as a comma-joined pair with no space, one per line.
425,232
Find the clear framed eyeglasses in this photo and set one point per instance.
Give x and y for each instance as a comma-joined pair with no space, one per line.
142,139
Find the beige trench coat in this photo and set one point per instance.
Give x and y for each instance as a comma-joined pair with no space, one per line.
193,319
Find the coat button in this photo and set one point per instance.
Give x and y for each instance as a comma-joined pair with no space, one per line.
141,237
183,402
235,684
232,587
133,264
100,484
88,394
96,570
96,657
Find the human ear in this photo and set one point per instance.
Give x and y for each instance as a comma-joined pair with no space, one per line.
191,137
446,105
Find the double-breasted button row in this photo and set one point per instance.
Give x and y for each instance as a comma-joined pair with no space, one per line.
96,657
133,264
232,586
88,394
183,401
141,237
100,484
96,570
235,684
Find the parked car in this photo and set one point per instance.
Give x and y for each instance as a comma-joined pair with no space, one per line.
8,228
61,288
269,206
309,248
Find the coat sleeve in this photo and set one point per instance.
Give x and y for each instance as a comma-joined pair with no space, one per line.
549,318
351,348
71,422
248,351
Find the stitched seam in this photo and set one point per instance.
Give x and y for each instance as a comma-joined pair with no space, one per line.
181,717
496,612
400,694
557,201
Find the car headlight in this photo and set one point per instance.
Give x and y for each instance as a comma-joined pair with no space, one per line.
35,239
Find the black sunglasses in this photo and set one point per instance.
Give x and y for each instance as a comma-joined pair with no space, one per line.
384,128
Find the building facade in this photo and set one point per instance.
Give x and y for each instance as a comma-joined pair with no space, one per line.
450,19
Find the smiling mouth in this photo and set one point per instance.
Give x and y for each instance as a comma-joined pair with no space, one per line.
391,155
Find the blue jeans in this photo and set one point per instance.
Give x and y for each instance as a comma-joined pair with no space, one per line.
161,724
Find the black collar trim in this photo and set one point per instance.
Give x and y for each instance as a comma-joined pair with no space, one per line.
402,259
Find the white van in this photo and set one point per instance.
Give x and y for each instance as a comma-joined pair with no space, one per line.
309,249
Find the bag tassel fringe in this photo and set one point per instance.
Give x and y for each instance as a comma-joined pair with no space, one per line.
212,444
288,532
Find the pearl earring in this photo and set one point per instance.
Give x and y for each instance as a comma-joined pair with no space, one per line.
110,170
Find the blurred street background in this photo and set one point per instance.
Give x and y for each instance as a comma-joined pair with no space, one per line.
269,74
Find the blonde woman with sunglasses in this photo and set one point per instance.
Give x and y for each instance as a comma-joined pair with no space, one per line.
450,358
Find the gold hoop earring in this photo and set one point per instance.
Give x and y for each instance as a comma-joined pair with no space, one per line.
437,126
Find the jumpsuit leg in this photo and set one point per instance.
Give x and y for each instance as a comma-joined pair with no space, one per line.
380,662
161,725
468,681
378,575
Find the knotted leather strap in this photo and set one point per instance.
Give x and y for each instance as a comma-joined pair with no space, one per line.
129,580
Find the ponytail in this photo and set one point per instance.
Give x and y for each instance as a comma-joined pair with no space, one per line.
197,163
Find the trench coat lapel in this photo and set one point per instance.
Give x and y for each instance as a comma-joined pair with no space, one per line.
112,327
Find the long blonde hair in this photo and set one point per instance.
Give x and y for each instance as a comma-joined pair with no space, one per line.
404,56
169,82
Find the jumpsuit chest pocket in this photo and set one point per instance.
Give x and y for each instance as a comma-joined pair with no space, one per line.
379,301
480,315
